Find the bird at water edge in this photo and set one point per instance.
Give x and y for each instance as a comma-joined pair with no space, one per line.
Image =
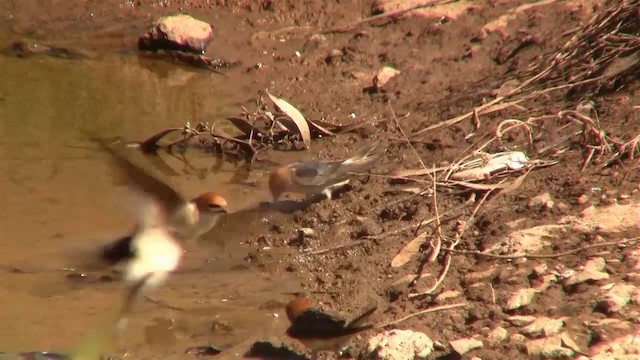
319,331
153,251
321,177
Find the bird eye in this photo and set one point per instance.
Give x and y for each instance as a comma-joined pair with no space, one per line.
217,207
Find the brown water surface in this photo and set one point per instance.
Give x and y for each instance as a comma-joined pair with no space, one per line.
59,195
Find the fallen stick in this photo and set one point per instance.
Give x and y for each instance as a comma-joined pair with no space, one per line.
546,256
429,310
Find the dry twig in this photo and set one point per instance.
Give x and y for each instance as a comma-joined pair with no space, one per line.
452,245
393,14
633,241
598,56
337,247
422,312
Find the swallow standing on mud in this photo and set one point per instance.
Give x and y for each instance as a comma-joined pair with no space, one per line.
152,252
198,216
320,177
319,331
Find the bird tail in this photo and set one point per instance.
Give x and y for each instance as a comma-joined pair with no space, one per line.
97,256
362,160
358,322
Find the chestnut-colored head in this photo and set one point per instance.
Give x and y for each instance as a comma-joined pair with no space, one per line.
279,182
211,202
297,306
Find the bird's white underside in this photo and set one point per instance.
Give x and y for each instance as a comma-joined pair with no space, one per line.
328,192
206,220
157,253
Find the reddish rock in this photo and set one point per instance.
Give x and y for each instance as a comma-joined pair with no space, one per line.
177,32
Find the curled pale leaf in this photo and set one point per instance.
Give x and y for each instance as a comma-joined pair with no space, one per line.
409,250
319,130
296,116
151,144
244,126
330,126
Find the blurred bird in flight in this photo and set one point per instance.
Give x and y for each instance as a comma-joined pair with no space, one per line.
153,251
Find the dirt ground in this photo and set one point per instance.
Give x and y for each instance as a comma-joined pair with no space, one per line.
449,65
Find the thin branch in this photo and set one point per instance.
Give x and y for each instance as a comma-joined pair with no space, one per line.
435,248
427,311
337,247
393,14
404,135
447,259
547,256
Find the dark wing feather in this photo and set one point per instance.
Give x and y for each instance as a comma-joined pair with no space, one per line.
316,173
316,325
142,180
358,321
118,251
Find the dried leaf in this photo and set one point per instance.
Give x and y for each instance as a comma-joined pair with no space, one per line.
151,144
419,172
321,131
474,186
409,189
409,250
409,278
473,174
498,107
515,184
328,125
243,144
244,126
296,116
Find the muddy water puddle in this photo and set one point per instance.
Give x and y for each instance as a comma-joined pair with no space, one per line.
59,195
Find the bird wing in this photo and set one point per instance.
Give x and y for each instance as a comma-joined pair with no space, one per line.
358,321
326,173
315,173
316,324
143,181
117,251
